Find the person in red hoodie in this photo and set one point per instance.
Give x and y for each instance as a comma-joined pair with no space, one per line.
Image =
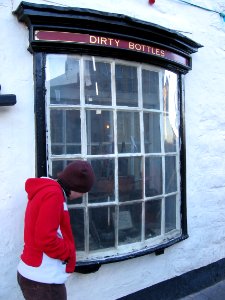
49,254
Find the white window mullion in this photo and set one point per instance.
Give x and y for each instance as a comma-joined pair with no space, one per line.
178,200
162,151
178,164
84,151
141,120
117,201
48,140
47,112
82,112
86,230
143,221
113,84
163,217
64,130
115,127
116,221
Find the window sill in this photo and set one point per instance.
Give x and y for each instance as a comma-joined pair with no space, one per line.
91,266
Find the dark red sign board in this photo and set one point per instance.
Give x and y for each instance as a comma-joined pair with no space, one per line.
71,37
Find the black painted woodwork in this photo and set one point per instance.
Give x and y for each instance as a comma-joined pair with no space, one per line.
7,100
119,26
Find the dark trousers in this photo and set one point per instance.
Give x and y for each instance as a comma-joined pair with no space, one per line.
33,290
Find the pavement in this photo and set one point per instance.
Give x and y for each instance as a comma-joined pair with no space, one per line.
214,292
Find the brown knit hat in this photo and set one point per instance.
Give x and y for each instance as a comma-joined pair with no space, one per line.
78,176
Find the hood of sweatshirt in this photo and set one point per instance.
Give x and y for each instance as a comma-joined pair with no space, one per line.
35,185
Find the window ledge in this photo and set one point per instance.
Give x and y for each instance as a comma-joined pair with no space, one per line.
91,266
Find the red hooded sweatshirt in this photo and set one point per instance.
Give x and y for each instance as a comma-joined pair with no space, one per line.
48,238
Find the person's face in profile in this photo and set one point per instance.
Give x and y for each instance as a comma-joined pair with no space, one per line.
75,195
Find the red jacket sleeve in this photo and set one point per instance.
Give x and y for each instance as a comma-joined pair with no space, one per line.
48,221
68,235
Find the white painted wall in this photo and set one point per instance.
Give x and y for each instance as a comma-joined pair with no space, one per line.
205,137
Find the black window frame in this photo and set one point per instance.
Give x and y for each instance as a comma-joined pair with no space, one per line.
117,26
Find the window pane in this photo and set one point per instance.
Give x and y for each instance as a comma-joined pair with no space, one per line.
130,178
152,137
170,174
130,223
152,218
97,82
63,79
65,131
77,224
103,189
128,132
170,92
153,176
150,89
170,213
126,86
58,166
100,136
169,135
101,227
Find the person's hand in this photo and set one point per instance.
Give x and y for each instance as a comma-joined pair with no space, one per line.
70,266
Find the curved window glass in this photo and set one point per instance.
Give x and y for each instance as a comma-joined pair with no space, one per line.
123,118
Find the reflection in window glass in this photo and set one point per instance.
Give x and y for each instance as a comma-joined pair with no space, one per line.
170,174
150,89
65,131
170,92
128,132
126,86
170,105
63,78
101,227
152,218
152,132
57,166
100,136
170,213
77,224
129,223
103,189
169,135
97,81
130,178
153,176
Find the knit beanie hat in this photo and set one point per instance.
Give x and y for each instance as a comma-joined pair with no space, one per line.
78,176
